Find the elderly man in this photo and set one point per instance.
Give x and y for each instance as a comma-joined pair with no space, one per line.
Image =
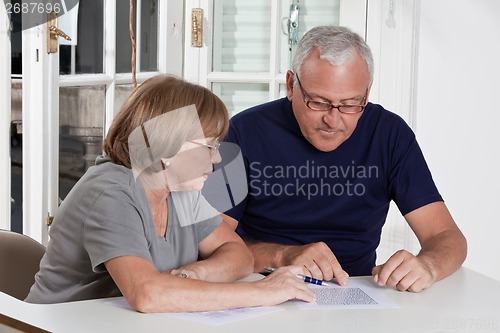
323,164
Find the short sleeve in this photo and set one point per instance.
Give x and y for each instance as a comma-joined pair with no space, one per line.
411,182
114,228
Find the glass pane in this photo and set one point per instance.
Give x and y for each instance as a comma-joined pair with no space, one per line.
122,92
242,35
123,43
80,138
282,90
16,156
146,39
311,13
240,96
149,35
16,42
86,57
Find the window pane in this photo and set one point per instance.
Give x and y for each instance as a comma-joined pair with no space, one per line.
146,39
282,90
87,56
80,136
16,157
149,35
240,96
123,43
16,42
312,13
242,34
122,92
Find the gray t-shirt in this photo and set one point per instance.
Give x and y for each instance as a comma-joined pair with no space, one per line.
107,215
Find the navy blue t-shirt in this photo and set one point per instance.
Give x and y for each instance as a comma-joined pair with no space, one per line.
298,194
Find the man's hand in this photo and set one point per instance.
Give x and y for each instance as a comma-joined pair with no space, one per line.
317,259
404,271
443,251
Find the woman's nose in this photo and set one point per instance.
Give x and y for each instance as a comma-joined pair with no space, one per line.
216,158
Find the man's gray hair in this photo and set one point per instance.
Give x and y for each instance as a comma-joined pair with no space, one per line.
335,44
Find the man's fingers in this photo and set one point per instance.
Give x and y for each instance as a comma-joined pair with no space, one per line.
403,271
341,276
312,269
388,268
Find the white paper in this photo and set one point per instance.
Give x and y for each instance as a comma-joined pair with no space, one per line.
213,318
358,294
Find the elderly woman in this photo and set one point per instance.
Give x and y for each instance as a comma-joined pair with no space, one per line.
137,225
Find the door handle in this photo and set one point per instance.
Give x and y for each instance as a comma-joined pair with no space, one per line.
197,27
292,25
53,32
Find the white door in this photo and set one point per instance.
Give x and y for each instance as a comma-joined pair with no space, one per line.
70,97
39,152
247,45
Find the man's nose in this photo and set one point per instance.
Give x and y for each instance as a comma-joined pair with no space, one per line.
332,117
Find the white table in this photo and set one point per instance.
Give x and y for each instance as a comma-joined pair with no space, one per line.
464,302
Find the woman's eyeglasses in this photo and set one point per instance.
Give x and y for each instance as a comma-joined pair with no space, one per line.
214,147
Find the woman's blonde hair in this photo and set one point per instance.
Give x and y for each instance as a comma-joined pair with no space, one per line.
158,96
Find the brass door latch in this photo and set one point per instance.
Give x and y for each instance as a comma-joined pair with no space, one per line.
49,219
197,27
53,32
58,33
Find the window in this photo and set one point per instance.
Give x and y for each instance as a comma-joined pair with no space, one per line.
95,78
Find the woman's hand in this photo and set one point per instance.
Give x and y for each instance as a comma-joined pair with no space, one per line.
191,271
283,285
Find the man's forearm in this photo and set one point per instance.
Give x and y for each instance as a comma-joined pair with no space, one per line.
266,254
444,253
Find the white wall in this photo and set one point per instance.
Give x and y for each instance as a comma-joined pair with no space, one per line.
458,117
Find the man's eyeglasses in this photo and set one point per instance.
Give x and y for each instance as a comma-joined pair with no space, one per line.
214,147
324,106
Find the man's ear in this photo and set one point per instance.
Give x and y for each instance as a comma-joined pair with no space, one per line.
290,78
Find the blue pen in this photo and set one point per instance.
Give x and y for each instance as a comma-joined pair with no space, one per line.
305,278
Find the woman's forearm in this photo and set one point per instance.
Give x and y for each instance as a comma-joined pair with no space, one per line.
230,262
180,295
